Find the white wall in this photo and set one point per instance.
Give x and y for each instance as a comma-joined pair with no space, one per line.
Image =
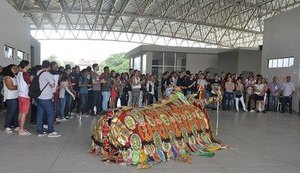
14,32
282,39
197,62
35,58
249,60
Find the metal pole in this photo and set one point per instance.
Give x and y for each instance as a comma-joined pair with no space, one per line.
217,124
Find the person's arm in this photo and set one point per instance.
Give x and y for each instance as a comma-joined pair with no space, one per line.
50,80
80,82
67,89
9,84
147,86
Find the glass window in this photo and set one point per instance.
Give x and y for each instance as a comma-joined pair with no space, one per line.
157,58
137,63
169,69
8,52
291,61
285,62
180,59
169,59
21,55
158,71
281,62
144,61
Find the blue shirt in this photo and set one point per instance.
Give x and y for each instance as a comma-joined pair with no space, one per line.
83,80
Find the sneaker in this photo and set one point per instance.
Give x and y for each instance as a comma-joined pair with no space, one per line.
85,115
17,129
7,130
71,116
245,110
45,126
42,134
63,119
252,111
54,135
25,133
58,119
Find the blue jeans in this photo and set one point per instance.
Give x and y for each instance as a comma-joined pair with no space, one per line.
96,101
273,102
83,102
285,101
62,106
68,106
45,108
12,113
105,99
228,100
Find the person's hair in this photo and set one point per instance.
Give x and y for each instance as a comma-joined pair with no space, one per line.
106,68
7,70
239,78
46,64
23,64
35,69
53,63
188,72
89,68
64,76
95,65
83,71
216,74
68,66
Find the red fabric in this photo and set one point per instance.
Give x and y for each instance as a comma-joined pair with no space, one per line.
24,105
114,94
26,77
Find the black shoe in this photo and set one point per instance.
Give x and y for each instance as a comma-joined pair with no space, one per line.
264,112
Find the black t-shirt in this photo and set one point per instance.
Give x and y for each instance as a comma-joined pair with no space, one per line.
180,82
188,81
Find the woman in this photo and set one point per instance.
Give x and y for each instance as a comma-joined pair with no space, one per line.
259,91
114,91
229,87
11,98
135,88
239,89
83,92
150,89
62,96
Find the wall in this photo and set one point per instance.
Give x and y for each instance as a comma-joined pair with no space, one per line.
35,58
228,61
196,62
249,60
14,32
281,39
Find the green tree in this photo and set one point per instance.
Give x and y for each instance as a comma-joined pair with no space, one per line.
54,58
117,62
70,63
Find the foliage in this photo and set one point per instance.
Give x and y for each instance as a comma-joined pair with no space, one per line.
55,58
117,62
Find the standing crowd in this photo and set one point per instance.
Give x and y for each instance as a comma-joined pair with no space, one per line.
53,94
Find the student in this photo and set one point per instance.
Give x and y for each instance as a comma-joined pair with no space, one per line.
23,80
229,87
11,98
62,96
150,89
239,90
259,91
83,93
45,106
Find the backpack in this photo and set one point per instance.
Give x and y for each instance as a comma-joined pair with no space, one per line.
34,88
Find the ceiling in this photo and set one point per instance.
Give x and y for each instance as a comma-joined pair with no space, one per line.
193,23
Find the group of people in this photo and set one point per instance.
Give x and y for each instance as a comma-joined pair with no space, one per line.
252,93
68,91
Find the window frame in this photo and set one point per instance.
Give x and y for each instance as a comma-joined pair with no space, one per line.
280,62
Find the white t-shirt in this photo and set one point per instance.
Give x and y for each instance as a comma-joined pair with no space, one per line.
10,94
46,79
23,87
202,82
288,89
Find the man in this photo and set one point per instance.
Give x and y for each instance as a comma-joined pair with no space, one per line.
96,90
274,94
23,81
45,106
288,89
215,84
106,83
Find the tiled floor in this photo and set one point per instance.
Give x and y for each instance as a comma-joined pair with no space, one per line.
263,143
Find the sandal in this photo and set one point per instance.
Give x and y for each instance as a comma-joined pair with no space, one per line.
25,133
